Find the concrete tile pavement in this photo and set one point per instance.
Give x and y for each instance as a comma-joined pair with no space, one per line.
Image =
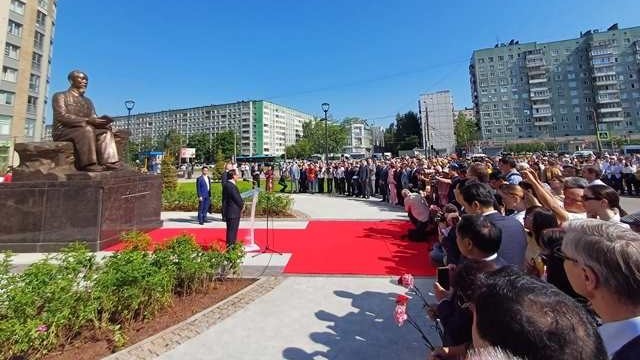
316,318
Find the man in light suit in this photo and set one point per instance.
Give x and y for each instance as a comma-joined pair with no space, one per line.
203,187
294,173
232,205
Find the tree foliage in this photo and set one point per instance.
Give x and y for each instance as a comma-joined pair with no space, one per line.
313,138
465,130
404,134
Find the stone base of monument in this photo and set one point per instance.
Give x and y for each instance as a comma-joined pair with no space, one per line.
44,216
50,204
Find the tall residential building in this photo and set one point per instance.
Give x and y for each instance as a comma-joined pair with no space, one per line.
262,127
26,30
551,91
436,121
359,137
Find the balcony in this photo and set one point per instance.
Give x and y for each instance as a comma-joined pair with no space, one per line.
541,107
532,63
602,51
608,91
543,122
610,71
610,119
540,114
540,95
602,82
608,98
537,71
538,80
608,110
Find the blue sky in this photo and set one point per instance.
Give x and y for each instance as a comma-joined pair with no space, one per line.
366,58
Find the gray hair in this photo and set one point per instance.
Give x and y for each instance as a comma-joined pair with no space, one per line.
490,353
611,251
575,183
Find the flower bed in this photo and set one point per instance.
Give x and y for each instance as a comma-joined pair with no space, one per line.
56,300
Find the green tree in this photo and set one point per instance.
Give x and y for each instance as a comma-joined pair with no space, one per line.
465,130
202,143
171,143
314,134
224,142
168,173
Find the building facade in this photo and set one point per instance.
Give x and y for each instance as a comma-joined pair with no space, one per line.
469,113
559,91
359,138
26,30
262,127
436,121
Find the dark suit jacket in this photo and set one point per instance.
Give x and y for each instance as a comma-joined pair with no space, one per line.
514,241
363,173
628,351
201,187
232,203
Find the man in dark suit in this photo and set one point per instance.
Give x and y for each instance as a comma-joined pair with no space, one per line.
203,188
232,205
477,198
364,176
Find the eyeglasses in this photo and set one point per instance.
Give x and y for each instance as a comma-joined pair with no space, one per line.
563,256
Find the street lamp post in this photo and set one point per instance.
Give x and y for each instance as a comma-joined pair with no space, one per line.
129,104
325,108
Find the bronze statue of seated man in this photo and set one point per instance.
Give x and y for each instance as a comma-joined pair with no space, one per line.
75,120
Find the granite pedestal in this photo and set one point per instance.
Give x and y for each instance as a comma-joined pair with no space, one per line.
44,216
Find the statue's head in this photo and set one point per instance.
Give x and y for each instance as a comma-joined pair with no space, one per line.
78,79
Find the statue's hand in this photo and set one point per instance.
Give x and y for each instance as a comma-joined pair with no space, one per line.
98,122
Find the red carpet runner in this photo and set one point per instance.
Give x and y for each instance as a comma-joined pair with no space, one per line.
332,247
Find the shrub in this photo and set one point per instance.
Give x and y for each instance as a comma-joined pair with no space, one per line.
136,240
130,287
169,173
186,261
54,299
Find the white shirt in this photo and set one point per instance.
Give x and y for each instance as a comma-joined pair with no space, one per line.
519,216
597,182
616,334
206,181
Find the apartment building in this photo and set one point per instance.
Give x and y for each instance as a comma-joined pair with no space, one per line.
436,121
559,91
262,127
469,113
359,138
26,30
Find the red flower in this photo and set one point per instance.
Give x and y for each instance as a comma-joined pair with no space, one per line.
406,280
402,299
400,314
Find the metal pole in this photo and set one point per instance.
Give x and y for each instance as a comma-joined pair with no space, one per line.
326,138
595,123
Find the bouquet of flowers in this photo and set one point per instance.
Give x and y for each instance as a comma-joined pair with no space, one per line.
401,316
408,282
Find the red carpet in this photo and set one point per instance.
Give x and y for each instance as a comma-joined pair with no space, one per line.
332,247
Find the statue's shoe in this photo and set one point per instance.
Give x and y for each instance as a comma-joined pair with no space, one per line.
113,166
94,168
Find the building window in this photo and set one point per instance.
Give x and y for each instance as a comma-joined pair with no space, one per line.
15,28
41,18
9,74
7,97
34,83
29,127
555,52
17,6
43,3
38,40
12,51
5,125
32,104
36,61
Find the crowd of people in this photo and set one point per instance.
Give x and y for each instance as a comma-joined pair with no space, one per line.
545,263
